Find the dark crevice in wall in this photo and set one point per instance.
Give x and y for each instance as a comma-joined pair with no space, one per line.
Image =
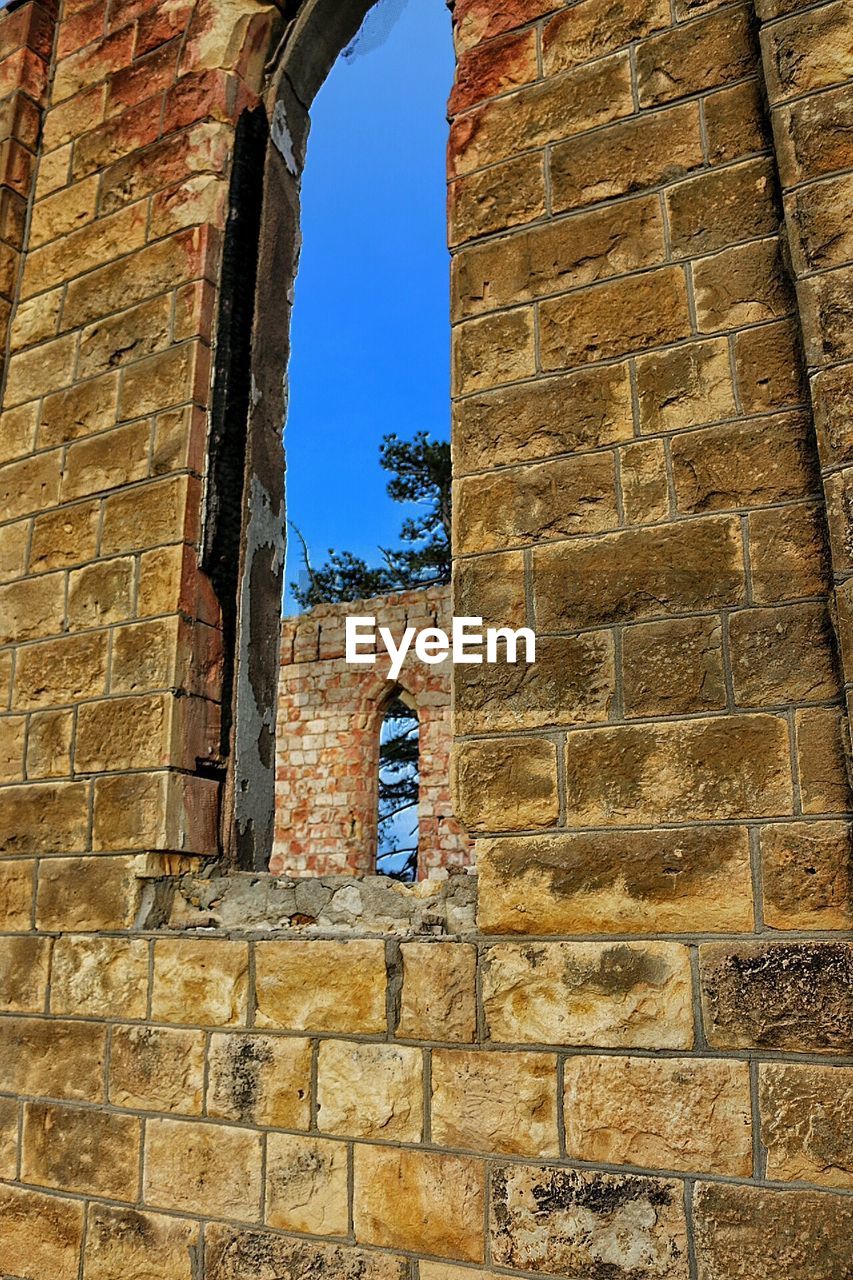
232,389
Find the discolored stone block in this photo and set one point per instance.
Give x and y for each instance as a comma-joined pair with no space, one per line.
51,1058
607,995
491,587
155,1069
822,747
261,1080
494,68
493,350
61,671
753,1233
40,1234
438,998
778,995
321,986
123,1241
370,1090
232,1252
86,894
506,784
783,655
822,224
723,207
686,387
507,196
565,414
202,981
307,1185
644,483
631,882
807,51
673,1113
788,552
598,1226
744,285
718,49
735,122
673,667
805,1128
657,570
495,1102
17,881
769,367
203,1169
81,1150
99,977
24,973
807,875
419,1200
595,27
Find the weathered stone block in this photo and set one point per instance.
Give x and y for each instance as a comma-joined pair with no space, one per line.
32,608
155,1069
495,1102
39,1235
261,1080
821,220
438,999
744,285
419,1200
493,350
807,875
48,818
307,1185
783,655
54,1059
722,207
507,196
822,747
49,744
769,367
203,1169
753,1233
492,588
24,973
232,1254
735,122
782,995
805,1126
321,986
673,667
788,552
506,784
685,387
134,1245
202,981
370,1090
108,461
86,1151
17,881
8,1139
720,48
597,1226
644,482
494,68
631,882
674,1113
99,977
807,52
595,27
607,995
61,671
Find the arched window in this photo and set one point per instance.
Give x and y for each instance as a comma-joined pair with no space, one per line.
399,789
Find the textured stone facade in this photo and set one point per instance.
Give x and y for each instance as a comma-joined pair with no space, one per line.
635,1065
327,746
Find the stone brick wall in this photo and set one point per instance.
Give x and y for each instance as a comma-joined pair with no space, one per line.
327,749
636,1067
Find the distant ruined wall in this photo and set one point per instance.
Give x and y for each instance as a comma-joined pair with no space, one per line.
635,1065
327,749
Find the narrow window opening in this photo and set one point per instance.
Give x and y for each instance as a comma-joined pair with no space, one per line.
398,809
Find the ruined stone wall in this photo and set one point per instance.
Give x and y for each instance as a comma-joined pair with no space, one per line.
327,749
636,1066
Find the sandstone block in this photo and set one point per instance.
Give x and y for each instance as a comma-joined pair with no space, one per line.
39,1235
147,516
8,1139
749,1233
826,309
684,771
203,1169
805,1126
307,1185
86,895
626,157
597,27
722,207
671,569
506,784
674,1113
632,882
769,367
13,550
49,744
564,414
261,1080
18,433
571,682
125,1242
107,461
12,748
789,556
735,122
643,478
495,1102
806,875
744,285
79,411
419,1200
685,387
614,319
99,977
46,818
812,136
783,995
494,350
822,224
783,655
370,1090
536,503
807,52
129,734
61,671
17,880
40,370
438,1000
202,981
81,1150
673,667
31,609
822,760
492,588
24,973
101,594
597,1225
720,48
321,986
154,1069
231,1253
606,995
507,196
50,1058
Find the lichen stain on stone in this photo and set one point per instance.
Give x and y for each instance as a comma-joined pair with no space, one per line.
619,969
565,1191
242,1081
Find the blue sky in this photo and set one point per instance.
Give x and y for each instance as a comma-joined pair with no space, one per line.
370,336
